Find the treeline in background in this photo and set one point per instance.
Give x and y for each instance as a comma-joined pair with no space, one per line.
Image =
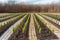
7,8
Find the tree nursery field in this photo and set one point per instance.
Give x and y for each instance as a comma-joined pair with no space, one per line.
29,26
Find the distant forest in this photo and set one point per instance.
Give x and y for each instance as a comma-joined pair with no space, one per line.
29,8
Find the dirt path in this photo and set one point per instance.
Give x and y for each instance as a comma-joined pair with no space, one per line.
56,30
32,32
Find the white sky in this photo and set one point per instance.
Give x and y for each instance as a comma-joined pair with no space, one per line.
33,1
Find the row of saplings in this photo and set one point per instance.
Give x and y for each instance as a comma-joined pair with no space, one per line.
4,18
43,32
21,33
6,25
53,16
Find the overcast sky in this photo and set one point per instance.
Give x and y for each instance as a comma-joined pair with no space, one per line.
33,1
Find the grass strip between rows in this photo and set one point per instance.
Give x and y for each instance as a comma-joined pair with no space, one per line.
19,23
38,26
25,25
